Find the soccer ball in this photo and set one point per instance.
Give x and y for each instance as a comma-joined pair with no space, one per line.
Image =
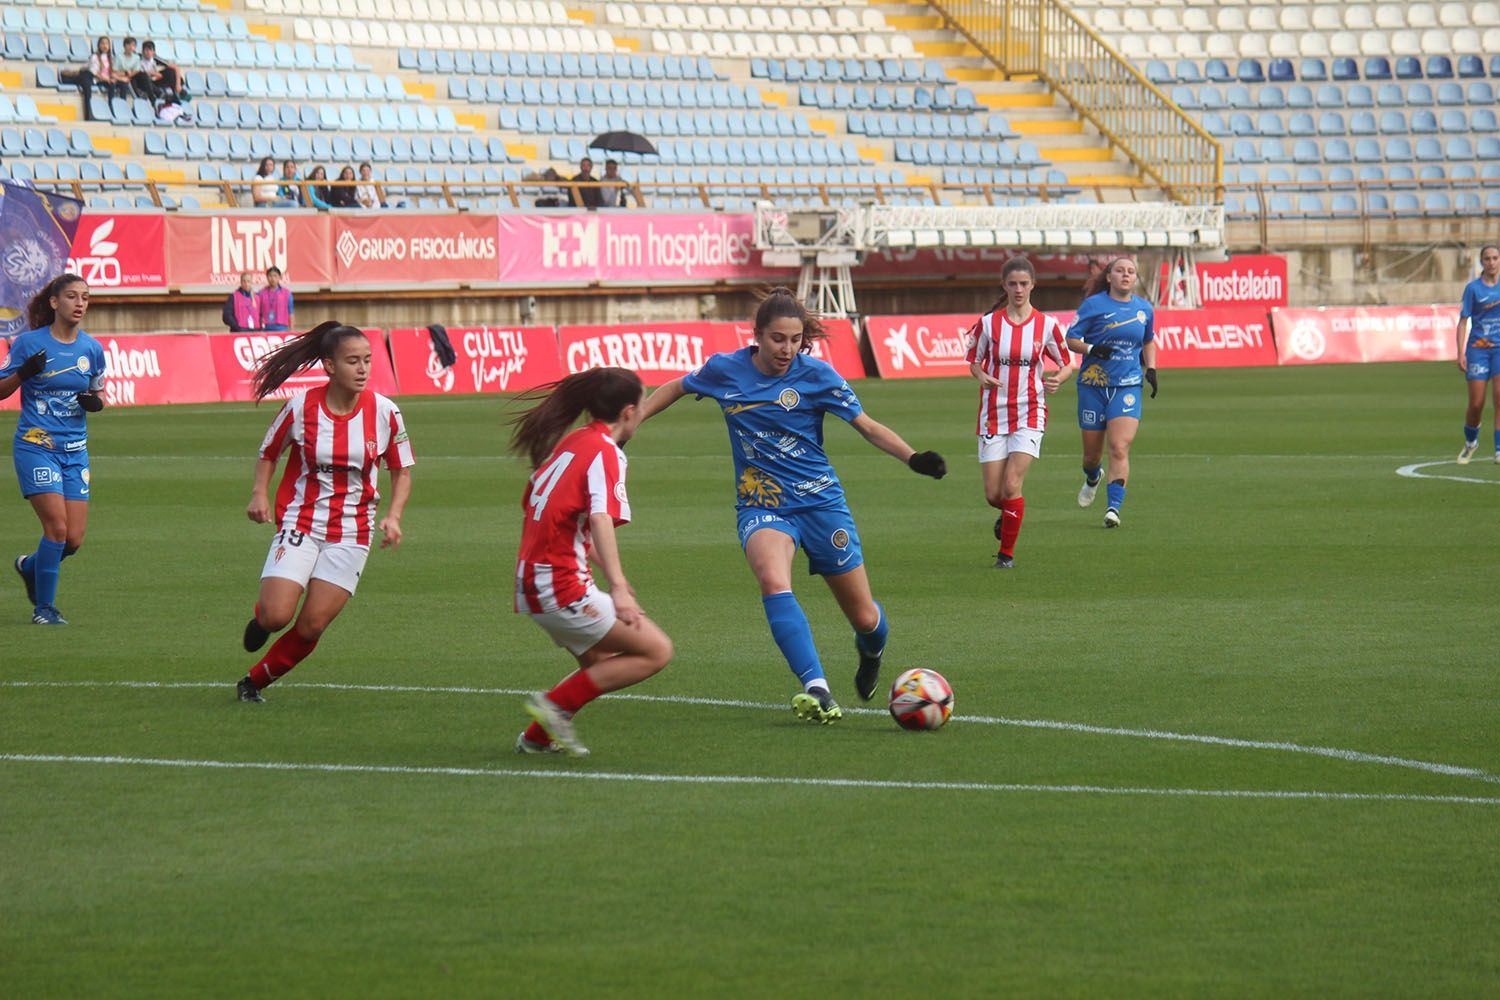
921,699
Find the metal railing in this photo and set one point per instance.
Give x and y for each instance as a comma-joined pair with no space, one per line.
1045,38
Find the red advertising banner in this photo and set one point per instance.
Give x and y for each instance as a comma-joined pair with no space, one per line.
1213,338
919,346
400,249
163,368
1242,280
210,251
658,352
121,252
627,247
490,359
840,347
1365,333
235,356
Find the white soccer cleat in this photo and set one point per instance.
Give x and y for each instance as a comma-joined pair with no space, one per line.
1468,453
1497,458
1086,495
559,724
1111,518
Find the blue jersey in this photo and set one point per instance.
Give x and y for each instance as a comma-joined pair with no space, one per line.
1124,326
776,427
50,415
1482,306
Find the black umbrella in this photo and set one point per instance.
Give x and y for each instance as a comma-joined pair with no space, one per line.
623,142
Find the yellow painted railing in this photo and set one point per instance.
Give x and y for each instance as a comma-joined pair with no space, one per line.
1045,38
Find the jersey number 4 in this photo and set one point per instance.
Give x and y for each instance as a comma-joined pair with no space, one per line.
545,481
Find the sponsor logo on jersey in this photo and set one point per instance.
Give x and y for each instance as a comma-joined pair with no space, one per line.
789,399
734,408
1094,375
37,436
757,489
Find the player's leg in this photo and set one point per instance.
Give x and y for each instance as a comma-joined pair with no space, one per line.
1091,423
1012,505
1473,410
77,512
43,565
289,565
992,455
831,541
320,607
769,552
1119,435
1495,406
329,574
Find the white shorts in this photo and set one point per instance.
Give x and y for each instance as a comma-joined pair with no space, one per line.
300,558
579,626
998,447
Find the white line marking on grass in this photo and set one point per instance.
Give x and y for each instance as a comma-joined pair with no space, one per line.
746,779
1336,753
1414,471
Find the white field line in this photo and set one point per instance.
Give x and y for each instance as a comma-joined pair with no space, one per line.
1192,457
1336,753
744,779
1414,471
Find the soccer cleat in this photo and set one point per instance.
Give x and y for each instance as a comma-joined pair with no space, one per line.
523,745
47,615
1003,561
816,706
1086,494
559,724
29,582
248,691
255,636
998,522
1111,518
1497,458
1463,459
867,677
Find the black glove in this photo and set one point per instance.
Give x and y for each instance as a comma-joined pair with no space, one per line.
1101,352
32,365
928,463
1151,381
91,401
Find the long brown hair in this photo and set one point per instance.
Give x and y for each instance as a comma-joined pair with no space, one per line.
1100,282
782,303
318,344
39,311
1011,267
602,392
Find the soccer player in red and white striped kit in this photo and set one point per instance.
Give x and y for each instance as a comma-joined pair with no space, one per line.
338,435
1006,351
572,504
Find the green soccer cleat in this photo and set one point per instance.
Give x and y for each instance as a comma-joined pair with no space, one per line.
559,724
816,706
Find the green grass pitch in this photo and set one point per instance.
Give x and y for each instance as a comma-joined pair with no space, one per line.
1275,581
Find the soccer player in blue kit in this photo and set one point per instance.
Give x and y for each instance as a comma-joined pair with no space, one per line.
1479,348
1116,329
59,370
774,396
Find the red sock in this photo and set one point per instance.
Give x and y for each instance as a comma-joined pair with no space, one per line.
284,654
1011,513
575,691
536,734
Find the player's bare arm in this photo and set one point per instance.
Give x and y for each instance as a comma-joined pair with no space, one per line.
390,525
259,509
607,558
661,399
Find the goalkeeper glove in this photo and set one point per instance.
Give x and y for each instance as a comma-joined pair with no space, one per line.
91,401
928,463
32,365
1100,352
1151,381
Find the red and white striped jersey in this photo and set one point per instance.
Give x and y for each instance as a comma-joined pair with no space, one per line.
328,489
1012,353
584,475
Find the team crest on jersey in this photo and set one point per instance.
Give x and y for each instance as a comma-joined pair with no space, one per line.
840,539
620,492
1130,399
758,489
370,451
789,399
280,551
1094,375
85,476
83,366
1140,316
37,436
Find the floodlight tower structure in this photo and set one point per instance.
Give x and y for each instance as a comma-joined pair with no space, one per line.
824,242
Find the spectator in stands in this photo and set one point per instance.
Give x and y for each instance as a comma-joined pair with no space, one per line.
342,195
241,311
165,75
128,70
617,190
289,192
263,187
367,194
101,73
317,188
586,197
549,197
273,304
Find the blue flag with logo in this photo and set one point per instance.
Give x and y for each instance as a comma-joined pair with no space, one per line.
36,235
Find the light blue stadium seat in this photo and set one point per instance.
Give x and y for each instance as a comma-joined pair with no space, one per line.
1345,68
1480,93
1427,149
1367,151
1299,95
1306,151
1393,123
1467,203
1423,121
1272,97
1408,68
1362,123
1398,150
1340,176
1390,95
1240,123
1329,96
1449,94
1336,151
1431,172
1250,71
1470,66
1217,71
1483,120
1419,95
1331,123
1459,147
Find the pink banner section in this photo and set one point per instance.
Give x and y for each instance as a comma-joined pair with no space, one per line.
1365,333
165,368
628,248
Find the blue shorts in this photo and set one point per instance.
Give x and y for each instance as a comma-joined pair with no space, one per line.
827,535
41,470
1482,363
1099,404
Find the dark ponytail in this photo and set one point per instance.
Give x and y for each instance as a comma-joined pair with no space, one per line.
782,303
39,311
305,349
602,392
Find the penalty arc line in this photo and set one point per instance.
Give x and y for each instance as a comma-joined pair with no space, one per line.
1414,471
1335,753
749,779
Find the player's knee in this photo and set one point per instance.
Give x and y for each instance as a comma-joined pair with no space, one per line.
994,497
661,653
72,545
311,629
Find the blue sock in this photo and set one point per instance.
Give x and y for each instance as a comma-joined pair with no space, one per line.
1116,494
44,569
794,636
1471,435
1092,475
1497,442
872,643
